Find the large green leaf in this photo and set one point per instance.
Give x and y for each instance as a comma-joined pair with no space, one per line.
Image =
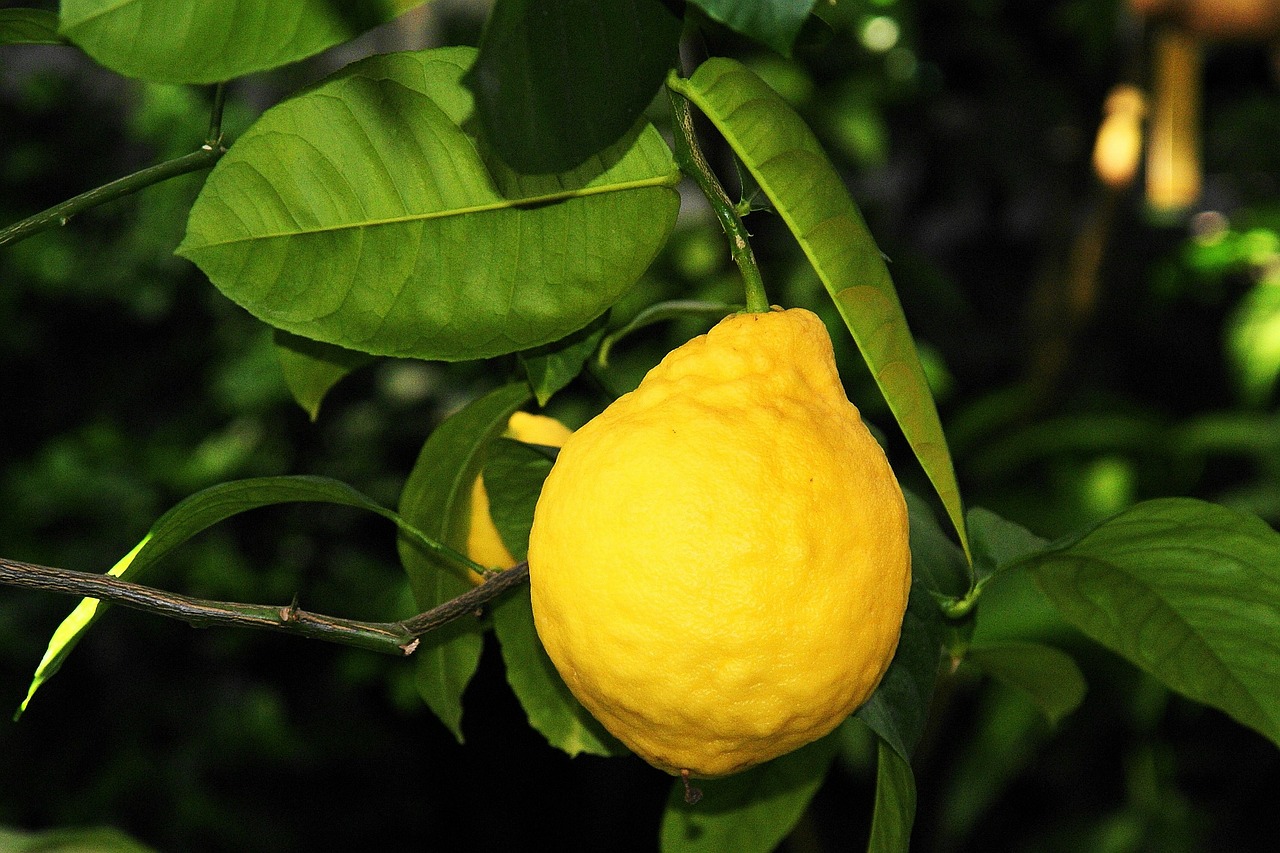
437,500
1186,590
1048,676
895,805
557,81
550,706
193,515
748,812
786,160
772,22
362,214
192,41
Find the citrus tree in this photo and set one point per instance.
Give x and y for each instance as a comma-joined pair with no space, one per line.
499,205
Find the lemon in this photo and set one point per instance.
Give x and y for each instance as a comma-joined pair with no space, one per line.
718,561
484,544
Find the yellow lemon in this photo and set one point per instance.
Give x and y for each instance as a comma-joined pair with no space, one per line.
718,561
484,545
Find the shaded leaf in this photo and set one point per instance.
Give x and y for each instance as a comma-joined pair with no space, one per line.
92,840
899,708
1049,676
749,811
189,41
775,23
361,214
29,26
783,155
660,312
998,542
1187,591
557,81
895,804
191,516
553,366
311,368
937,563
551,707
437,500
513,476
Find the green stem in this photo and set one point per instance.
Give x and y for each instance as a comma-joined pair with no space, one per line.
60,214
693,163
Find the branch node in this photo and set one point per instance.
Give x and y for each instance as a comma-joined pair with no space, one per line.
410,647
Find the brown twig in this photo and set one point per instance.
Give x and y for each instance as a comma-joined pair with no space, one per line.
400,637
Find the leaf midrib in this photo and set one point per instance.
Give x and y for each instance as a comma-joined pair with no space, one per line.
665,181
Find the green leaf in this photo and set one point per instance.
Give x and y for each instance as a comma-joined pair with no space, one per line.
782,153
551,707
513,476
437,500
191,41
557,81
92,840
361,214
189,517
749,811
553,366
895,807
937,563
29,26
1050,677
775,23
311,368
1187,591
998,542
660,312
899,708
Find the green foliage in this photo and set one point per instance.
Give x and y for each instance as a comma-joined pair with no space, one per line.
28,26
103,840
305,220
310,368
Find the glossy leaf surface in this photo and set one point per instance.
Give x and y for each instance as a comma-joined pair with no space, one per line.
362,214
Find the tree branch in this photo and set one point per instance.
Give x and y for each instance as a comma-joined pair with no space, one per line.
400,638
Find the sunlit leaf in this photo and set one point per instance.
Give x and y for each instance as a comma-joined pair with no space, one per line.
29,26
437,500
361,214
895,805
1048,676
748,812
557,81
311,368
772,22
782,153
190,41
899,708
547,701
193,515
1186,590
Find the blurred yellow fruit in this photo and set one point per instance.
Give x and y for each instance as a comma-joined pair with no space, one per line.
718,563
484,545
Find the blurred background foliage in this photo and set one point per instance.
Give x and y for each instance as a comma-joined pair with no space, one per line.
1087,349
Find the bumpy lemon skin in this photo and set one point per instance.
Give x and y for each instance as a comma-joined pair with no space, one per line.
484,544
719,562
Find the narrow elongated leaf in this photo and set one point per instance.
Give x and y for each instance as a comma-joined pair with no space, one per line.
1048,676
560,80
899,708
311,368
437,500
1186,590
551,707
361,214
748,812
772,22
786,160
895,808
191,516
29,26
192,41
